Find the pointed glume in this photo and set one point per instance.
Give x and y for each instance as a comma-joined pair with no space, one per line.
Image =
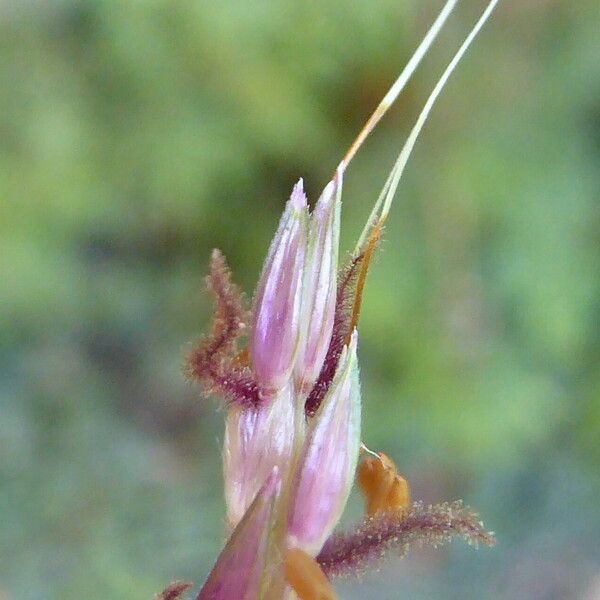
355,553
213,362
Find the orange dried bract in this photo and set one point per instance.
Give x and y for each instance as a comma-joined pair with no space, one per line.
383,488
399,495
306,577
362,277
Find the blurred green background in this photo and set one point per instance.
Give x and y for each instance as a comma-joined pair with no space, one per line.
136,136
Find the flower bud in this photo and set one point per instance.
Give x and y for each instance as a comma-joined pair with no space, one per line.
256,440
240,568
328,459
319,285
274,334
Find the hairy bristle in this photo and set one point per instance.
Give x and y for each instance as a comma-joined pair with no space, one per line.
355,553
229,315
362,277
341,328
174,591
213,362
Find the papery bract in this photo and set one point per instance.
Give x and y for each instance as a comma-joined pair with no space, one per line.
275,325
319,286
327,462
256,440
238,572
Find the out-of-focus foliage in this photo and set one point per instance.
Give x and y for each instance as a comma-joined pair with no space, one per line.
135,136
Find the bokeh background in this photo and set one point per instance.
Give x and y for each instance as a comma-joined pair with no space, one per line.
135,136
